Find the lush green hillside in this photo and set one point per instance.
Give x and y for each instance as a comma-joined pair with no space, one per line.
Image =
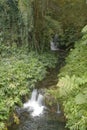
72,85
19,72
26,29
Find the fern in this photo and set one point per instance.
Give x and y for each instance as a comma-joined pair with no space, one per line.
84,30
18,75
72,85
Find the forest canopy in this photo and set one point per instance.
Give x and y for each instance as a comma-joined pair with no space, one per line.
26,29
28,22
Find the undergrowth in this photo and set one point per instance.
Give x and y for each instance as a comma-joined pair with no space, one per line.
19,72
72,85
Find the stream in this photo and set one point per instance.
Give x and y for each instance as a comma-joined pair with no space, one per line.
46,119
44,122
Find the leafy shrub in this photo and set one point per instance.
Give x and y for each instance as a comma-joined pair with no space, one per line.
72,85
73,92
19,72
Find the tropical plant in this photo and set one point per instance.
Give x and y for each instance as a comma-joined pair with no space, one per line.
72,85
19,72
71,89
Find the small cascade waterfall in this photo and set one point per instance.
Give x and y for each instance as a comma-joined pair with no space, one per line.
35,104
40,100
34,95
53,47
58,108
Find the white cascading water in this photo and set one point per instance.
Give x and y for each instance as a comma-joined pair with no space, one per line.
40,99
35,104
34,95
53,47
58,109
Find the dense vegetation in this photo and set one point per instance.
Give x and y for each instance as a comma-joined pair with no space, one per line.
28,22
72,85
26,28
19,72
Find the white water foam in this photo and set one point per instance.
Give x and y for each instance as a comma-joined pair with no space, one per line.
58,109
35,104
53,46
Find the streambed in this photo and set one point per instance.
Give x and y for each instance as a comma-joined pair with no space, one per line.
33,117
48,121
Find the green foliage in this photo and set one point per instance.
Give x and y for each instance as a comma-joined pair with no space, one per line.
84,30
54,25
32,22
19,72
48,59
71,34
76,61
72,85
72,16
74,96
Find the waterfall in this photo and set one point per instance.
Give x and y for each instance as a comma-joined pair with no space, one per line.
53,47
34,95
40,100
35,104
58,108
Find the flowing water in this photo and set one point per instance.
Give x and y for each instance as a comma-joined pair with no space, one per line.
35,104
58,109
35,115
45,122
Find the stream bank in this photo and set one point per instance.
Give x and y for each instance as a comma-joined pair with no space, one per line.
51,78
45,122
50,119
